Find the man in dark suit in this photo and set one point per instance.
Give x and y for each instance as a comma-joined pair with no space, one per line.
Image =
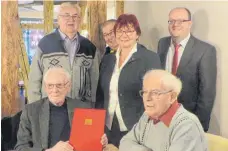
45,124
109,36
193,61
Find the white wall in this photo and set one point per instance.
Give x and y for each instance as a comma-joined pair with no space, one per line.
210,23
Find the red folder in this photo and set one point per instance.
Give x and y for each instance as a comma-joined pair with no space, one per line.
87,129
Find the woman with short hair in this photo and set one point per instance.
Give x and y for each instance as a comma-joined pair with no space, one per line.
121,76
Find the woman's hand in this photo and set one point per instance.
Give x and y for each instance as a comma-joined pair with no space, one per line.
104,140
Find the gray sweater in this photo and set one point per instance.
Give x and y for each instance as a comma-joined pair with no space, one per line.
185,133
84,71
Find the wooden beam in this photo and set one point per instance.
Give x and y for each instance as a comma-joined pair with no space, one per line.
10,53
48,16
83,6
23,60
41,26
32,26
97,15
119,8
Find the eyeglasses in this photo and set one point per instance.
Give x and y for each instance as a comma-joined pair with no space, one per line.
153,93
58,86
119,33
68,16
108,34
178,22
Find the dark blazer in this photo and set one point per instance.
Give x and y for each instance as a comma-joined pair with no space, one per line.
34,125
130,82
197,70
9,130
107,50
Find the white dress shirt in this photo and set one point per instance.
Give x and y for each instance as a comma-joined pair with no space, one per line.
171,51
114,106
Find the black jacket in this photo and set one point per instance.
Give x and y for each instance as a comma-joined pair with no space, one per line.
130,82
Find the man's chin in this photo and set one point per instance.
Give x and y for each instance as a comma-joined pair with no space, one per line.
59,103
111,46
72,31
175,35
56,101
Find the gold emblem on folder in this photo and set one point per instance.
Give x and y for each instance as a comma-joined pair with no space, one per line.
88,122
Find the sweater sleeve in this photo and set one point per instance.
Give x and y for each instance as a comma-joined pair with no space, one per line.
131,141
35,78
187,136
94,74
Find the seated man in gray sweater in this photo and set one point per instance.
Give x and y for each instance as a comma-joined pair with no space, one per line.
165,124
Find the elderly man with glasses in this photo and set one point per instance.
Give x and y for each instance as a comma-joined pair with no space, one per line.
66,48
165,125
46,124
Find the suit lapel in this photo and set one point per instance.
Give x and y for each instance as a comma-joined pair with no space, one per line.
135,56
186,56
164,51
44,123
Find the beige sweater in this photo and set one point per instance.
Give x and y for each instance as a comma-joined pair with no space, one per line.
185,133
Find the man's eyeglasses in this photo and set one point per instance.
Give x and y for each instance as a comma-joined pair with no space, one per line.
59,85
109,34
178,22
119,33
68,16
153,93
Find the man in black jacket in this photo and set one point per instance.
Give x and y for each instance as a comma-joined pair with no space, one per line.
109,36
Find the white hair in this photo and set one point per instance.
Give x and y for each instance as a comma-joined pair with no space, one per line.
107,22
70,4
168,80
57,71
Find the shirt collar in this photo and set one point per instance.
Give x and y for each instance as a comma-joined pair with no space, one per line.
134,49
184,42
168,115
64,36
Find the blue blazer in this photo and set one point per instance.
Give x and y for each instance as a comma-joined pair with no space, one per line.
130,82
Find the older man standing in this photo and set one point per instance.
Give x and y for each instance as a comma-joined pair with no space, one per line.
109,36
193,61
165,125
66,48
45,124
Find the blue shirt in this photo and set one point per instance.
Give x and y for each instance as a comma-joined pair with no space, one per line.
70,45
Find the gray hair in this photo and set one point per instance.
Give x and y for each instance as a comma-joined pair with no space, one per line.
168,80
70,4
57,70
105,23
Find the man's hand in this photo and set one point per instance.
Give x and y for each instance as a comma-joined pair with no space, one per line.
61,146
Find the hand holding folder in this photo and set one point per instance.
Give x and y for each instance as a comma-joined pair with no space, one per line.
87,129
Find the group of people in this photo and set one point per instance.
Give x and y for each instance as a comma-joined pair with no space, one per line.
154,101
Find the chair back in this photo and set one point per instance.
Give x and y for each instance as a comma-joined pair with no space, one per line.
217,143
